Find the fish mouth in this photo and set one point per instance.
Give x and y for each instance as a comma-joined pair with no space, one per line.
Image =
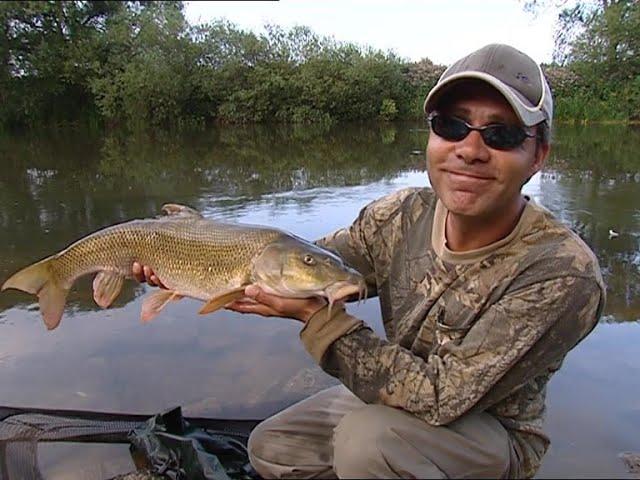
339,291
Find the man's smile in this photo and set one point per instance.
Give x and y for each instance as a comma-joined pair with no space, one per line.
461,179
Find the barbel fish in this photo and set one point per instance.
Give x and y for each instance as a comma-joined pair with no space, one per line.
195,257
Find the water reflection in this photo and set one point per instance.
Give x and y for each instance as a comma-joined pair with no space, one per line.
592,183
57,188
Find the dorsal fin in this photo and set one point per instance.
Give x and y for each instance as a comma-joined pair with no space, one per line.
182,210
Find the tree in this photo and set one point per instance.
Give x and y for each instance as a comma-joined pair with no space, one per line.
140,64
597,31
597,44
148,75
48,51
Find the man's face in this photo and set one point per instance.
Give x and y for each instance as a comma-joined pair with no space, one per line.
470,178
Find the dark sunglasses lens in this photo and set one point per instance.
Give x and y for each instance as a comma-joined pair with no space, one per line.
499,137
449,128
504,137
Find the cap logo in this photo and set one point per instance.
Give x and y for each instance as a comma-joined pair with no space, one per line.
523,78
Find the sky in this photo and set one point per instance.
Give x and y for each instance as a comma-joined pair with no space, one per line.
441,30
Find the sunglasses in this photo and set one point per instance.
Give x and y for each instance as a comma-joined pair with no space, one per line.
497,136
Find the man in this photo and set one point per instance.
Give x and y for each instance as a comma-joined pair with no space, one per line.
482,293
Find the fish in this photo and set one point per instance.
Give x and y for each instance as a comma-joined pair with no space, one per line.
195,257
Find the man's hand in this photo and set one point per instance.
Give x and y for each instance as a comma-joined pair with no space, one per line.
261,303
145,274
257,300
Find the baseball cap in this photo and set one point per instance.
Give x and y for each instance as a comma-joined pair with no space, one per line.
514,74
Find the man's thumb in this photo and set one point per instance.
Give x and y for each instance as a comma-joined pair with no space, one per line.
252,291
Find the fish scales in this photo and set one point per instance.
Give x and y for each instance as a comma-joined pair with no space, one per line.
194,257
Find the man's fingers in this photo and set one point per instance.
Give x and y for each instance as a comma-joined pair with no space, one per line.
148,275
270,305
242,301
140,273
253,303
257,294
249,306
152,278
136,269
145,274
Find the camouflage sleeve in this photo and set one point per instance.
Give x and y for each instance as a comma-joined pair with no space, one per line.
359,243
552,316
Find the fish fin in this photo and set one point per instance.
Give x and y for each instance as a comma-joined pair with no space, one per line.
31,279
219,301
38,280
52,299
154,303
106,287
182,210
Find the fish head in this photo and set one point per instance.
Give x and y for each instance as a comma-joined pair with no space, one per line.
292,267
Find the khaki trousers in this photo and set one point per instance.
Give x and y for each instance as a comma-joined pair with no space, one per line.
335,434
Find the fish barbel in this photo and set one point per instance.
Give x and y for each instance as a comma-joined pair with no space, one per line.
195,257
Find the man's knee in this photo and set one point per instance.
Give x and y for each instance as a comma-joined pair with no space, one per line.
359,441
256,447
281,450
380,441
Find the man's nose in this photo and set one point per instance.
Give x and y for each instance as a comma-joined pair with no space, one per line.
472,148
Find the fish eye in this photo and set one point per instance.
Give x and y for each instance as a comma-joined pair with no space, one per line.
309,260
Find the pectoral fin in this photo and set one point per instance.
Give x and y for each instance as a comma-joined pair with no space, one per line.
106,287
221,300
154,303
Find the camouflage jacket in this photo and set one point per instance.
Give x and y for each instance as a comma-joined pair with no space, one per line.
480,330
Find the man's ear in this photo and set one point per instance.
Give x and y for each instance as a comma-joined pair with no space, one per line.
541,154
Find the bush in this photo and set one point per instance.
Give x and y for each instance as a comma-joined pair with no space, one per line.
142,65
388,110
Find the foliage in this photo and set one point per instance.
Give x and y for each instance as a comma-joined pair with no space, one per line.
596,74
142,65
388,109
151,80
48,51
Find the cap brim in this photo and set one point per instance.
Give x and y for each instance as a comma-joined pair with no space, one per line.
528,114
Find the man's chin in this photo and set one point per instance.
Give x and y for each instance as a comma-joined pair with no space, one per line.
467,204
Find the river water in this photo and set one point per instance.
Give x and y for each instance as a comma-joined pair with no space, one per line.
57,187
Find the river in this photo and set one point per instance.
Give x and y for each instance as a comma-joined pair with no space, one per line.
56,187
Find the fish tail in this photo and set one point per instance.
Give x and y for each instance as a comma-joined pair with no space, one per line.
39,280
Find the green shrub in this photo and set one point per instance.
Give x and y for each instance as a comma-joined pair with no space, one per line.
388,110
